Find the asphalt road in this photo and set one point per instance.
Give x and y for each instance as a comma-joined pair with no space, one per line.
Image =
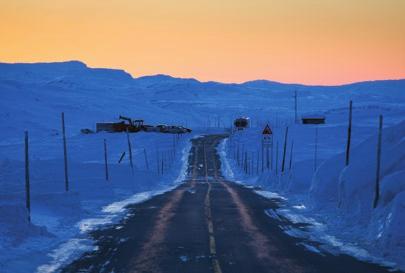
206,225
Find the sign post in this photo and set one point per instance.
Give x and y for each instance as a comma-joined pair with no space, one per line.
267,143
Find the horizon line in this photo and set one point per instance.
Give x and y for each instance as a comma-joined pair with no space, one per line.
207,81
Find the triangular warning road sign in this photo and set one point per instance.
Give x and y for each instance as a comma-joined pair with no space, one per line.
267,130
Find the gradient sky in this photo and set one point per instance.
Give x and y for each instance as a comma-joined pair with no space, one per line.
305,41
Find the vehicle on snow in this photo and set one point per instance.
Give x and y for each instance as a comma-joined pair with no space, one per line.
241,123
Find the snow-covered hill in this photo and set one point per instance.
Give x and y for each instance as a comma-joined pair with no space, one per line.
33,95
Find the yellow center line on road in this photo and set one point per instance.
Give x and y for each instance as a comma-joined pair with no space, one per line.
213,252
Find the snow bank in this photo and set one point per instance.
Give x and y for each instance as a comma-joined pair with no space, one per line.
351,191
226,168
340,197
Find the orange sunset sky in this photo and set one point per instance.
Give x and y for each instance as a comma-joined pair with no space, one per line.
305,41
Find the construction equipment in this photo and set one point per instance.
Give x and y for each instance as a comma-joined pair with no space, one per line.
136,125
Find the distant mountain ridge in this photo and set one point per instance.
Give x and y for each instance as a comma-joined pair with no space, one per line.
69,69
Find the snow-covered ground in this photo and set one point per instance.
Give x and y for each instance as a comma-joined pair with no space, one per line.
317,189
60,220
32,96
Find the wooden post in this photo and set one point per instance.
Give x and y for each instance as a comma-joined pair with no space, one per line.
106,160
170,161
121,157
65,153
130,152
242,161
163,164
146,159
277,158
27,179
296,107
349,134
234,150
246,163
262,157
174,147
377,179
271,155
291,155
267,157
316,149
285,149
157,162
252,161
237,154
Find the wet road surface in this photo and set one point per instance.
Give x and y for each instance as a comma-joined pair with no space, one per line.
206,225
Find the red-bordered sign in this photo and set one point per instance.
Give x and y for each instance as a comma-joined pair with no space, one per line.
267,130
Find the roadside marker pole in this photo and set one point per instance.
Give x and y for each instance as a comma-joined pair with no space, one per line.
291,154
106,160
163,164
169,160
284,150
157,162
377,179
349,134
146,159
316,149
277,158
130,153
174,146
65,153
252,169
272,156
296,107
27,179
238,155
121,157
246,163
262,157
